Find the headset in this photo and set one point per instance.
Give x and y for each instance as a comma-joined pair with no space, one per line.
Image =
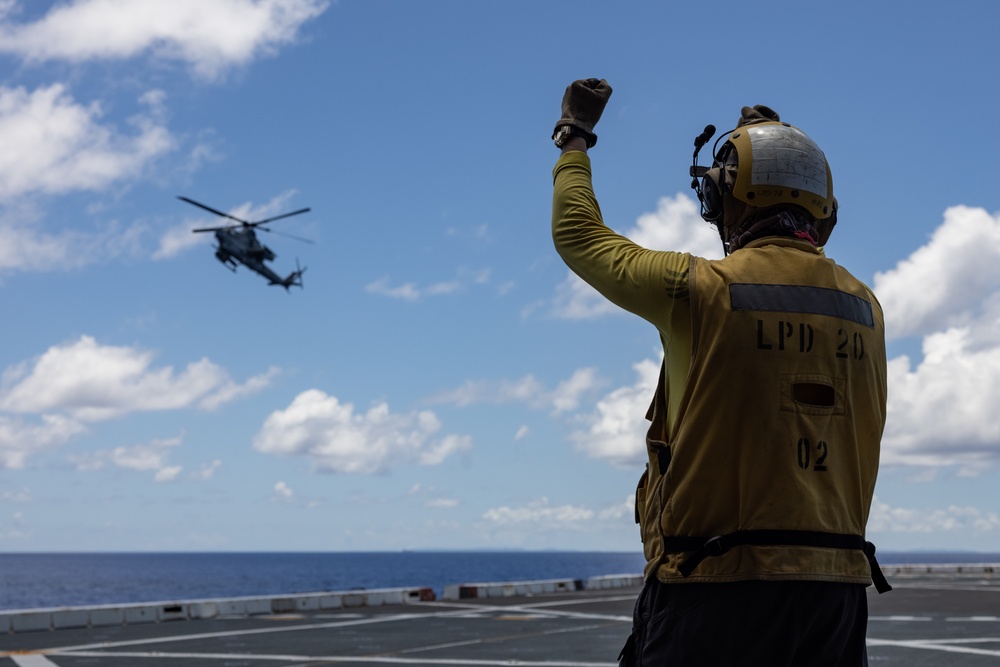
706,181
797,174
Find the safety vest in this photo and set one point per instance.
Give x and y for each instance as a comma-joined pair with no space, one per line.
770,467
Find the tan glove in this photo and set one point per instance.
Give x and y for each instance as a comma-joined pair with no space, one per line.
582,106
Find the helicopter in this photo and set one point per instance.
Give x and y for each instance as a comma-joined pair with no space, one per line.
238,244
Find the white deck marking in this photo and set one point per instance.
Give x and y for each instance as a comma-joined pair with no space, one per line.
539,608
32,660
376,660
948,587
900,618
946,645
457,610
228,633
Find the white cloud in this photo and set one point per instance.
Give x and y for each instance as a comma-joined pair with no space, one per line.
943,283
522,432
208,36
624,509
942,412
93,382
539,512
576,300
207,470
228,391
23,247
952,520
407,291
520,523
178,239
19,440
675,225
143,457
21,496
941,408
567,395
167,474
430,498
335,439
54,145
80,382
617,428
528,390
523,390
282,492
148,457
411,292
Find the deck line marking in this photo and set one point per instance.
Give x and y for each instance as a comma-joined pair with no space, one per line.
340,658
32,660
962,640
937,646
539,607
947,587
494,640
56,650
568,614
315,626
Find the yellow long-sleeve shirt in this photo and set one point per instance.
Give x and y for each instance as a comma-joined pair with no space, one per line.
652,284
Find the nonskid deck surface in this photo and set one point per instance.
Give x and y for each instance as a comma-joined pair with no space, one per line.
936,619
928,619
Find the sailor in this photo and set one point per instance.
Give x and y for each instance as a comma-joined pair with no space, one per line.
764,435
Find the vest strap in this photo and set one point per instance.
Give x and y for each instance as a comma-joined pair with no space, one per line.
704,547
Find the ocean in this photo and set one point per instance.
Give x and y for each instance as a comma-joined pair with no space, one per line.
30,581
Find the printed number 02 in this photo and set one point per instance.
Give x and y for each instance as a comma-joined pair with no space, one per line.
805,449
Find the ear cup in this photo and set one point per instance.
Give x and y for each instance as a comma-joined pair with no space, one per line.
711,194
825,226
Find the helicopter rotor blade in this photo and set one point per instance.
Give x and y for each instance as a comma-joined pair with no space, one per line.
279,217
213,229
291,236
212,210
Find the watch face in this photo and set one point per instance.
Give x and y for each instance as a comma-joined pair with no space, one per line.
562,135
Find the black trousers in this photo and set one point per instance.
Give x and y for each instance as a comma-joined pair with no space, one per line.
752,623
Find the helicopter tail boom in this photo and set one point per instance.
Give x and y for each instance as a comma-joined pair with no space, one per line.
293,278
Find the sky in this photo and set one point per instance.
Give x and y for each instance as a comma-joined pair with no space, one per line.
442,381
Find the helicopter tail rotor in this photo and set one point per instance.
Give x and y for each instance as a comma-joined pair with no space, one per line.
295,277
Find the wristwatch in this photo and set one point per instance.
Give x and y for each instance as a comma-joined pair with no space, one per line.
563,134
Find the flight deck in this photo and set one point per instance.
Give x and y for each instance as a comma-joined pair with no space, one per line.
934,616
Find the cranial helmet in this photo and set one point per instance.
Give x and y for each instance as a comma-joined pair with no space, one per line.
765,166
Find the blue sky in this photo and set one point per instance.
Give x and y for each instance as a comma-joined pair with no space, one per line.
442,381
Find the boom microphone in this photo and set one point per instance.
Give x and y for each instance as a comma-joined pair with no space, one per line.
703,138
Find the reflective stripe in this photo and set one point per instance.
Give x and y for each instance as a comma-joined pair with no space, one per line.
801,299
